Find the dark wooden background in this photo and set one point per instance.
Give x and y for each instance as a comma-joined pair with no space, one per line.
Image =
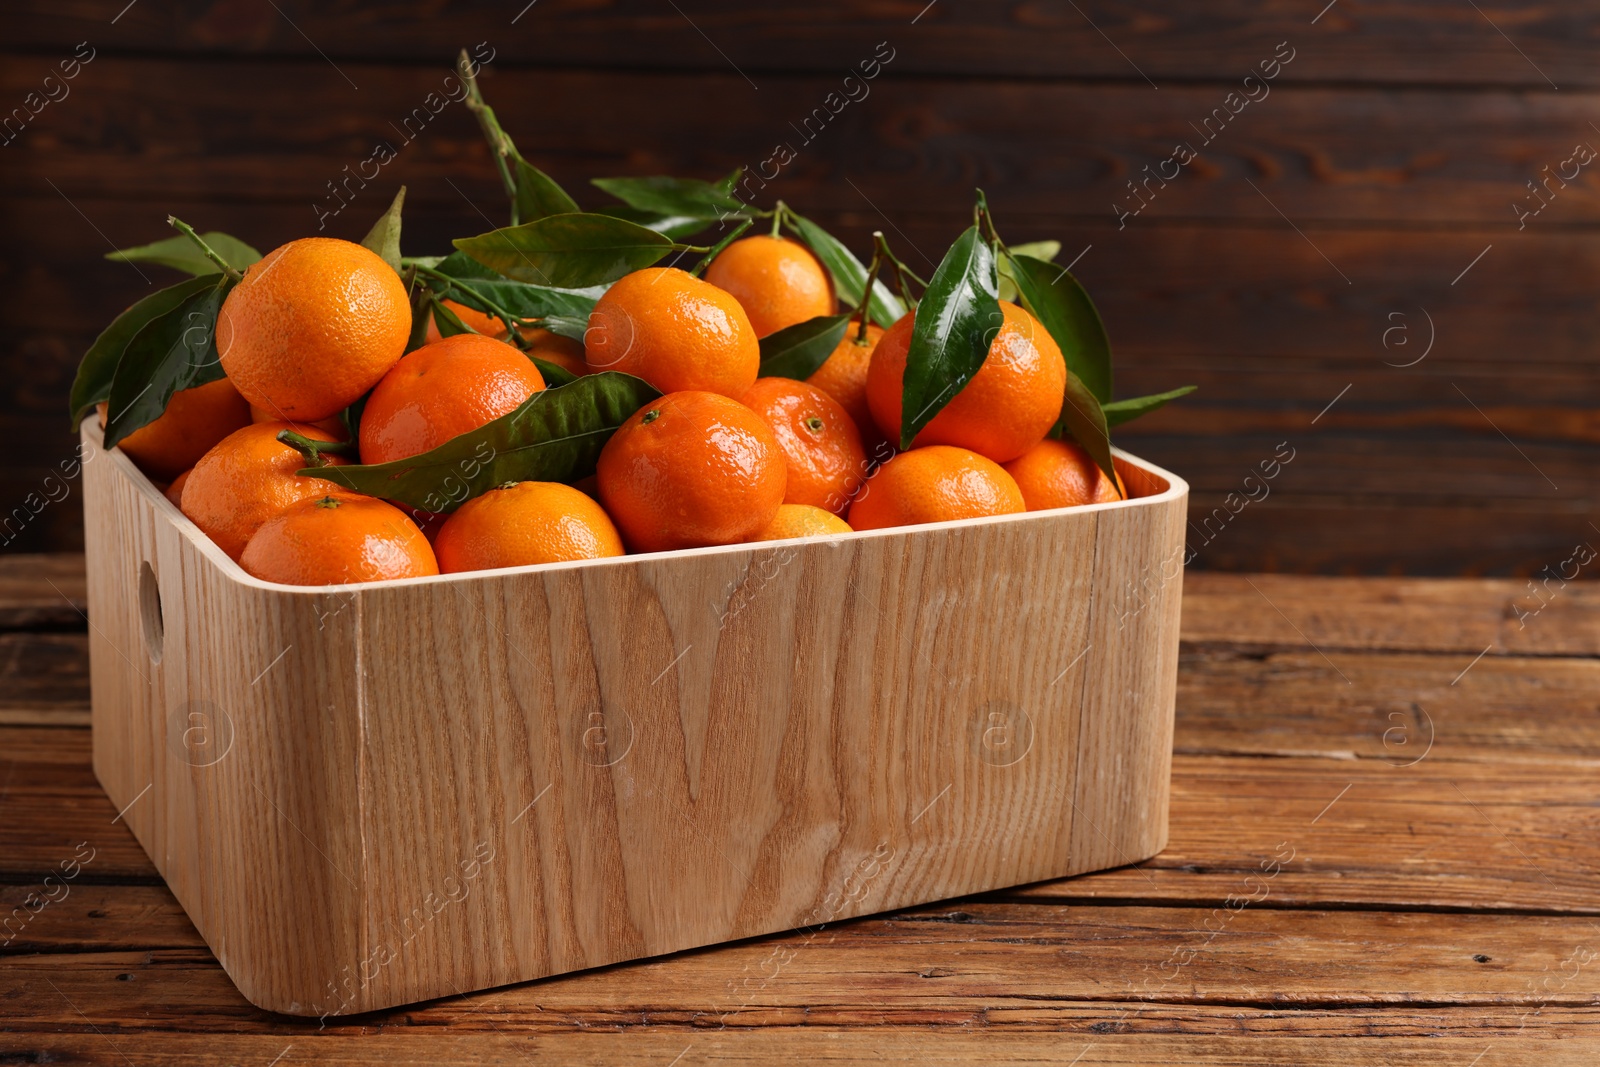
1347,203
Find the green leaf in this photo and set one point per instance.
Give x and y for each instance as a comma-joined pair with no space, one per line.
538,194
1121,411
1045,250
849,276
180,253
478,286
555,436
797,351
566,325
1055,298
177,350
956,322
1082,417
570,251
448,322
384,237
99,364
673,226
554,374
688,197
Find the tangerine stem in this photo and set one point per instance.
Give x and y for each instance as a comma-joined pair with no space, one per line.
313,450
500,145
188,231
864,309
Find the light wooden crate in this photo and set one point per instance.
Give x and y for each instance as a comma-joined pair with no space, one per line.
377,794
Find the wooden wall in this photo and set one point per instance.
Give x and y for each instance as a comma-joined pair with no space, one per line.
1325,224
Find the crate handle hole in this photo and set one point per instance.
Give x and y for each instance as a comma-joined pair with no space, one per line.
150,621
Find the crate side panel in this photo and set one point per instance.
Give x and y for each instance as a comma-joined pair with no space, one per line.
236,751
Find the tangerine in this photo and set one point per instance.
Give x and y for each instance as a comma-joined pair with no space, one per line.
1004,410
443,390
194,421
802,520
936,483
1059,474
524,523
693,468
843,376
776,280
246,479
312,327
337,539
819,441
675,331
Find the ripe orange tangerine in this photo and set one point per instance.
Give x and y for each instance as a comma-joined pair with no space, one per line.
245,480
777,281
337,539
820,445
524,523
1007,407
938,483
802,520
675,331
1059,474
194,421
843,376
690,469
441,391
312,327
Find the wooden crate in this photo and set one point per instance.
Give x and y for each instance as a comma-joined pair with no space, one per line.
370,795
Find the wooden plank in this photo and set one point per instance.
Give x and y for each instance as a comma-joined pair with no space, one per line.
44,678
922,965
1432,41
41,592
1395,708
1402,615
1347,1042
1317,155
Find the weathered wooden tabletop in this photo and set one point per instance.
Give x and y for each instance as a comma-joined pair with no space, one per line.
1385,850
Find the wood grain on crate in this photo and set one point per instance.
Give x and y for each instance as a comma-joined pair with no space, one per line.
1432,915
516,775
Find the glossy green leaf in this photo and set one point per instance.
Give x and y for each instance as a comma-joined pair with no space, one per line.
555,436
538,194
571,251
177,350
448,323
567,325
1045,250
1057,300
1083,419
180,253
849,276
99,364
384,237
956,322
676,227
478,287
1121,411
797,351
687,197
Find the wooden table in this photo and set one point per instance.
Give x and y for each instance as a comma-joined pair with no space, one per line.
1385,850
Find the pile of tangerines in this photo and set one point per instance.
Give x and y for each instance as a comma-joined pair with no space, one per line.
722,457
334,412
